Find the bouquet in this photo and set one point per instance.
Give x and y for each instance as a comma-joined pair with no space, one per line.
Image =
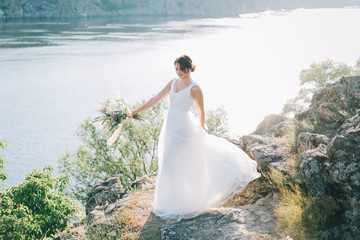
114,114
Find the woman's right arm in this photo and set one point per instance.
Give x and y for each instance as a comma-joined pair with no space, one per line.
155,100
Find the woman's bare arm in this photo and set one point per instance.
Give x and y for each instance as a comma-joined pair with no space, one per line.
197,94
155,100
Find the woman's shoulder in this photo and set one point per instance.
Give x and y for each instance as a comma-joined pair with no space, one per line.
194,85
195,88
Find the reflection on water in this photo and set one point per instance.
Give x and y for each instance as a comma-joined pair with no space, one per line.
37,33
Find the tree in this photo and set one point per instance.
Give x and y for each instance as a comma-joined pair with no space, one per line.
35,209
315,77
3,175
216,122
357,67
133,154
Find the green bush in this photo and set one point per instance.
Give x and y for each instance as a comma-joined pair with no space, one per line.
216,121
314,78
3,175
36,208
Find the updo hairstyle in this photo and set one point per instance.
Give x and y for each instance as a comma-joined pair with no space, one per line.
185,63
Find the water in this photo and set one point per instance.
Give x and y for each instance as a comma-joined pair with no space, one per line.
53,73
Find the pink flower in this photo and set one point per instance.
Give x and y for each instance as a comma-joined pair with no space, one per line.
115,116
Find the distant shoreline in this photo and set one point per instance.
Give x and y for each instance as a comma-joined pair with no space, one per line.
68,9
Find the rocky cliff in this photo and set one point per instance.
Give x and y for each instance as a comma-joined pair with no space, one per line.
319,150
324,143
90,8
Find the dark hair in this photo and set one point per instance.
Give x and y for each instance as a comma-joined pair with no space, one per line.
185,63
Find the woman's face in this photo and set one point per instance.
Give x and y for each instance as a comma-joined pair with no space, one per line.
180,73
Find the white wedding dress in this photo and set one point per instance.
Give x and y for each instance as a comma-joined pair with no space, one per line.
197,171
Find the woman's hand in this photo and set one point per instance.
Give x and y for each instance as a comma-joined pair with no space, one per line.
130,117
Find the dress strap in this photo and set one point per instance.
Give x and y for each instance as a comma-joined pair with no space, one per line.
191,85
173,83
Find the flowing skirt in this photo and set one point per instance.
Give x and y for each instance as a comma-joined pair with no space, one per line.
197,171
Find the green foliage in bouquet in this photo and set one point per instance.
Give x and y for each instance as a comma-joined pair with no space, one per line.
36,208
113,113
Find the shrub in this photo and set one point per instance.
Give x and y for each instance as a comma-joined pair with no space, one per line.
216,121
3,175
314,78
36,208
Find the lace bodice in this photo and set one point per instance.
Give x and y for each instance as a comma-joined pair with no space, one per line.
181,100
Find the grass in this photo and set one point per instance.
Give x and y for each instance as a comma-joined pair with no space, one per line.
300,215
299,128
125,226
130,226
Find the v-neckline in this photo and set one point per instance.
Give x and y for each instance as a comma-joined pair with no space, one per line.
181,89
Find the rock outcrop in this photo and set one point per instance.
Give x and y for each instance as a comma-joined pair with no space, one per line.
324,141
332,105
333,169
254,221
230,221
330,159
271,143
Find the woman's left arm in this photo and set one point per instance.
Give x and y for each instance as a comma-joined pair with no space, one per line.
197,95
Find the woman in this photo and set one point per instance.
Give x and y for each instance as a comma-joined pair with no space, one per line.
197,171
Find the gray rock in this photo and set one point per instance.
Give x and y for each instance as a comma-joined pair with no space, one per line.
331,105
307,141
268,126
351,127
312,167
146,182
333,170
104,193
342,147
270,144
266,151
255,221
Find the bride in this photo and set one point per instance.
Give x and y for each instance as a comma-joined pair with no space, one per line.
197,171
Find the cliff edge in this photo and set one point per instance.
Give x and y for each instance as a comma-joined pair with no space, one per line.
319,150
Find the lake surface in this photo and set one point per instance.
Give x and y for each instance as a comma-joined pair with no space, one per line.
53,73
